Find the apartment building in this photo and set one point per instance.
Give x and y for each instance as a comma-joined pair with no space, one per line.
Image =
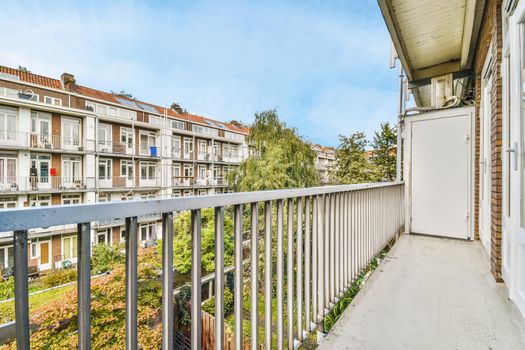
325,162
63,143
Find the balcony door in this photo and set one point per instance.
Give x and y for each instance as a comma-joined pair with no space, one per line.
71,133
8,132
72,172
39,173
514,163
126,138
8,180
485,157
40,130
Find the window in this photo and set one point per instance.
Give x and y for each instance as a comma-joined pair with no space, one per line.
147,232
188,170
234,136
147,170
53,100
71,199
7,257
177,124
69,247
188,147
71,168
126,138
176,147
7,171
104,137
126,169
40,200
8,118
202,171
104,197
111,111
41,129
204,130
71,132
147,140
8,203
103,236
123,234
104,169
187,193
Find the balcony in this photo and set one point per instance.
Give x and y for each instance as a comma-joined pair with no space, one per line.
44,142
13,184
183,181
115,147
315,243
323,236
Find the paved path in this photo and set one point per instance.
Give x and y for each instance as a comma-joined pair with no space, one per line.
430,293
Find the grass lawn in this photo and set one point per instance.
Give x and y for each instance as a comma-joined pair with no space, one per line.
7,309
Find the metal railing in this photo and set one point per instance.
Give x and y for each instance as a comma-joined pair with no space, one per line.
44,141
13,184
331,233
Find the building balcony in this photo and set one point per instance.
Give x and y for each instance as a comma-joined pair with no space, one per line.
22,139
183,181
14,184
427,293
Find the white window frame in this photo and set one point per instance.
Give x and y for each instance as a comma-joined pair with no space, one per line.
73,198
71,141
53,100
71,252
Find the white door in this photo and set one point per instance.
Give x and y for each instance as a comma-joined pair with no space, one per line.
440,174
71,133
514,153
485,163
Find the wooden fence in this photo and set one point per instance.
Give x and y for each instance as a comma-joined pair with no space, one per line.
208,335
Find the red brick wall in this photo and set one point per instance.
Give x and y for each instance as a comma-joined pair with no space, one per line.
491,33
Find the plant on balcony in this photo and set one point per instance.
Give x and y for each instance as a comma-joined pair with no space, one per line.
284,159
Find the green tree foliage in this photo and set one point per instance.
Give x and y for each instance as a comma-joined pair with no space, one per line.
57,321
284,159
352,164
182,240
105,257
384,146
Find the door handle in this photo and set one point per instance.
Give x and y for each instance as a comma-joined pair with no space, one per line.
514,151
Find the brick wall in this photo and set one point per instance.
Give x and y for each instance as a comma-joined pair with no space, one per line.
491,33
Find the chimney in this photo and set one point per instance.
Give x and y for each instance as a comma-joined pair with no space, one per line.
176,107
68,81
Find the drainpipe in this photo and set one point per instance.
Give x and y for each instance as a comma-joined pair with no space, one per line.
399,175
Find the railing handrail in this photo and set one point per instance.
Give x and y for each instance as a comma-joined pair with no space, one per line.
34,217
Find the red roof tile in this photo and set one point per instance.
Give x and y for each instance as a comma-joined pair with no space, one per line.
32,78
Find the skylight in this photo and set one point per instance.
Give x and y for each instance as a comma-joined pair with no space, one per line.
127,102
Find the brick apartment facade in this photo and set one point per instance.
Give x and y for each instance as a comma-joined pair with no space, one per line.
63,143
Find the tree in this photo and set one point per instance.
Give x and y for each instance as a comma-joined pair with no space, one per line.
384,148
352,164
123,94
182,240
283,159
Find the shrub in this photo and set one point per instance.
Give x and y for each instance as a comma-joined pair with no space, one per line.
104,258
58,277
7,288
209,305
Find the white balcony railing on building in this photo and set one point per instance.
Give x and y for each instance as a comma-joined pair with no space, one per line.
11,184
330,236
43,141
183,181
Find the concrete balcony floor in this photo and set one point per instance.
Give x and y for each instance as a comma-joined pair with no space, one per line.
430,293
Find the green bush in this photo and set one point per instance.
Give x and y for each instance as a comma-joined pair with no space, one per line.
104,258
7,288
58,277
209,305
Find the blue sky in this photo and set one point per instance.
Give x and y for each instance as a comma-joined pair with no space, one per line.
322,64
